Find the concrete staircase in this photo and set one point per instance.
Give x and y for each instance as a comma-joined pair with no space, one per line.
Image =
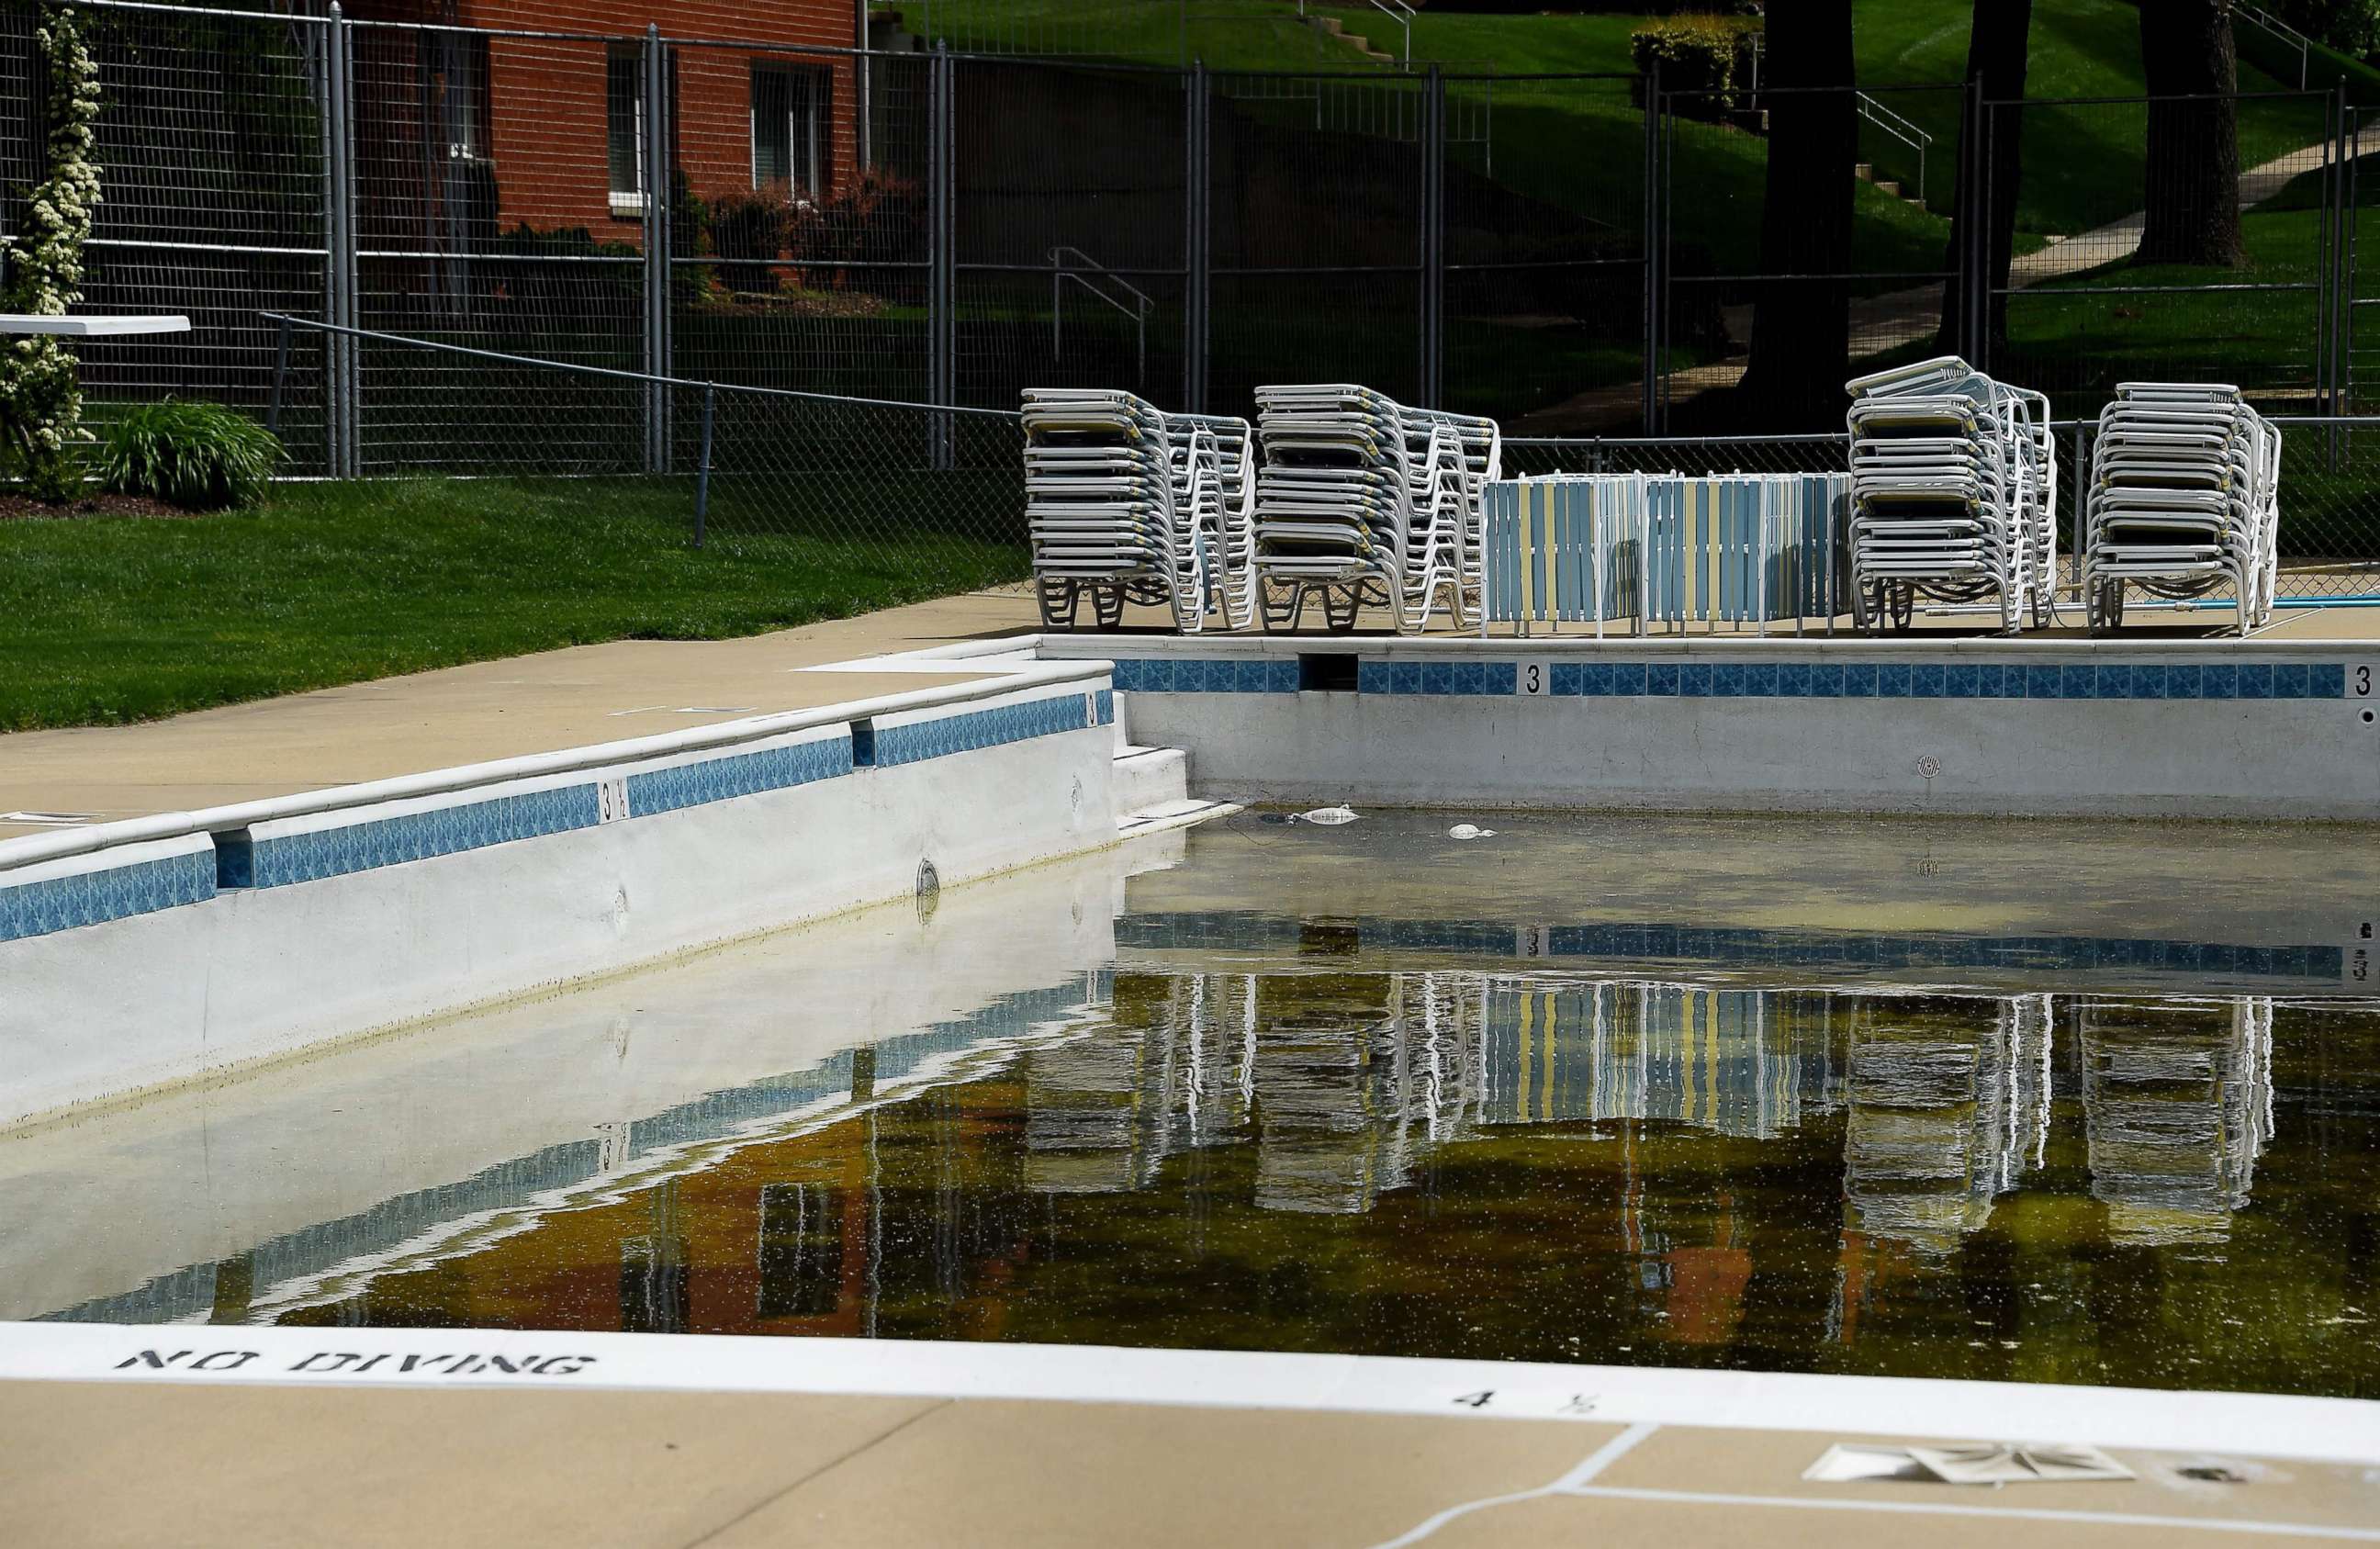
1152,789
1360,45
1866,173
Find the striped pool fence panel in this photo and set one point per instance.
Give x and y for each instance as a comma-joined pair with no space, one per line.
1726,549
1563,550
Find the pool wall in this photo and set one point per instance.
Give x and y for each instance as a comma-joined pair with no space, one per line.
151,952
322,1173
2198,729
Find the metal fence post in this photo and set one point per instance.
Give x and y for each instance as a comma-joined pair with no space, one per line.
1197,257
1652,218
2342,226
352,287
1433,240
657,251
2347,266
2076,486
1974,218
333,161
942,332
863,80
280,378
342,373
703,467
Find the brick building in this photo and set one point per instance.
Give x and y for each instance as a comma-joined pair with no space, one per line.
531,113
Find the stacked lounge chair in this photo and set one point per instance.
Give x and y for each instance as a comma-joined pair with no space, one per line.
1230,522
1129,504
1363,501
2184,498
1954,493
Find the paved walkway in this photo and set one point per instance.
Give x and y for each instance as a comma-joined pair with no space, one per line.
467,715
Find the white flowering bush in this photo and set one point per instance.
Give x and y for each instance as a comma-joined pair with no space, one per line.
40,274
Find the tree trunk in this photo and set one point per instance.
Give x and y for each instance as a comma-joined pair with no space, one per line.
1998,42
2192,204
1801,324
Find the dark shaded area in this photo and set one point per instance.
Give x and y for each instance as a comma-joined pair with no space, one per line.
1997,45
2192,209
1801,317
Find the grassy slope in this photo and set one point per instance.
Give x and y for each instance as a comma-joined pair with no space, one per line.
2083,162
107,620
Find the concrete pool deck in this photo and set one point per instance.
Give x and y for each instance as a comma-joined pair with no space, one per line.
466,715
683,1460
589,695
110,1463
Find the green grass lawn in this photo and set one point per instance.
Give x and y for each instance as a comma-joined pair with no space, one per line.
105,620
2077,336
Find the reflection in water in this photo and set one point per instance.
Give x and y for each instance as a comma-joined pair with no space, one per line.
2176,1117
1342,1082
1637,1090
1526,1164
1943,1121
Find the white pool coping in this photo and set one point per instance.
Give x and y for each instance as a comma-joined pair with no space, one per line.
2270,1425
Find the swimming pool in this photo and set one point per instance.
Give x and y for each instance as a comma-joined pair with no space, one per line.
2062,1104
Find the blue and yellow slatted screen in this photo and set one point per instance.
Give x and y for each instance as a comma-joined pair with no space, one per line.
1740,548
1563,550
1707,1056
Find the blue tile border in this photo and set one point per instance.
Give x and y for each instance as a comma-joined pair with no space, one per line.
1949,678
282,859
92,898
237,859
744,774
1752,945
974,729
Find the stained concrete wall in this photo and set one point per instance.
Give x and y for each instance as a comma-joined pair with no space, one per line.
2192,729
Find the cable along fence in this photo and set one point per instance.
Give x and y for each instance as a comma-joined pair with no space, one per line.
924,493
1579,256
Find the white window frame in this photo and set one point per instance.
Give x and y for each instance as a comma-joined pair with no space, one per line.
812,86
624,201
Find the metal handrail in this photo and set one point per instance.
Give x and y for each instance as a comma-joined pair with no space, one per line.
1872,110
1901,129
1082,270
2259,16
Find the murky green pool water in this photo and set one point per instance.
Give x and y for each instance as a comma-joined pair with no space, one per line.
1983,1100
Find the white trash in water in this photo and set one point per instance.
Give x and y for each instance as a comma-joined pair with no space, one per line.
1328,815
1470,831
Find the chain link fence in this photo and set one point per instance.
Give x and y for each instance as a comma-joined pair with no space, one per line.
1583,257
915,493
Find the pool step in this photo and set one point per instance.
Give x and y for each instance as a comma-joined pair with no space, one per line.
1173,815
1148,776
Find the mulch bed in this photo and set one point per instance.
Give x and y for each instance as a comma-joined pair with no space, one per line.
91,505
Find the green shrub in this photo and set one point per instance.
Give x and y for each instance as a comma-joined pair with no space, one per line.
198,456
1707,55
751,227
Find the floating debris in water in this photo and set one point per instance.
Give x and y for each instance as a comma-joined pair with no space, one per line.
1328,815
1470,831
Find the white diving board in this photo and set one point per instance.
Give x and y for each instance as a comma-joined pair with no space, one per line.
92,327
